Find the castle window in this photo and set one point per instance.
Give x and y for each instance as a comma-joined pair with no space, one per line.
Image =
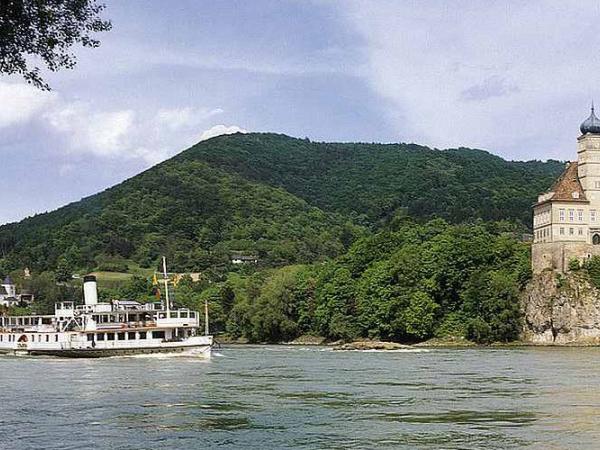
561,215
596,239
597,184
593,215
580,215
581,232
562,231
571,215
571,231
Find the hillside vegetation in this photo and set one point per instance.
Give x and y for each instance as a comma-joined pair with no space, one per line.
287,200
369,182
189,211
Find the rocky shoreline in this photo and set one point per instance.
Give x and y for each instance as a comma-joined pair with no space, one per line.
365,345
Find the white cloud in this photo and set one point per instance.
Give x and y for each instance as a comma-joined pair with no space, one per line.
120,133
480,73
20,102
100,133
219,130
178,118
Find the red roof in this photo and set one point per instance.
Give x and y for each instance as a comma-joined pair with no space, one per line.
567,188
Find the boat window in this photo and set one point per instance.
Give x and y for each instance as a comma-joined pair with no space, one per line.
1,338
56,338
162,315
90,336
110,336
121,336
173,315
183,314
142,335
158,334
192,314
101,337
47,338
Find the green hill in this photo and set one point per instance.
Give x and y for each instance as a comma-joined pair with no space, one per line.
194,213
287,200
374,180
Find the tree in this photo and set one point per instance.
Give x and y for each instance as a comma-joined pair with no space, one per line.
419,317
64,271
46,30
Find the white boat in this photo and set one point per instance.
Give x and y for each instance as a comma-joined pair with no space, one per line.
96,329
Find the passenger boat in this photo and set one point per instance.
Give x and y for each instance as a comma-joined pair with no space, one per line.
97,329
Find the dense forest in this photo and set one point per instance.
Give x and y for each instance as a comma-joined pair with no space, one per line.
391,241
408,282
287,200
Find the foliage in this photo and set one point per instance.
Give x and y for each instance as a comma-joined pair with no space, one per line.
435,280
46,30
574,264
373,183
288,200
345,246
591,266
407,284
188,211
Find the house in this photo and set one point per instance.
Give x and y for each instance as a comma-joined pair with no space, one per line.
566,218
9,296
239,258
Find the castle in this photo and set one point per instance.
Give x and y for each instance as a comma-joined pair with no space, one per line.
566,219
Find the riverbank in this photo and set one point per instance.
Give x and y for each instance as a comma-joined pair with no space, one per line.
366,344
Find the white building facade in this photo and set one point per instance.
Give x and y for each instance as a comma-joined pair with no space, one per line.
566,219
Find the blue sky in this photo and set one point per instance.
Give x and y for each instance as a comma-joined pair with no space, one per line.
515,78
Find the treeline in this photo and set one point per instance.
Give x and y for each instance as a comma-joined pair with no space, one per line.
192,213
408,283
370,182
289,201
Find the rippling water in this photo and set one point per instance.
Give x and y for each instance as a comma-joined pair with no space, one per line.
305,397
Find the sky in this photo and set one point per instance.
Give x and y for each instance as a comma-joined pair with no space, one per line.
511,77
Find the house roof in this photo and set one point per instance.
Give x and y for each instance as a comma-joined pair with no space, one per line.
567,187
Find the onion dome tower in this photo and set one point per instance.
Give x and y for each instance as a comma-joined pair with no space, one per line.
591,124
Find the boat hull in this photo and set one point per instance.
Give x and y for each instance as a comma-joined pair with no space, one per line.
204,352
196,351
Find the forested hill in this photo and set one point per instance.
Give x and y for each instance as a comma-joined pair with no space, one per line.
287,200
374,180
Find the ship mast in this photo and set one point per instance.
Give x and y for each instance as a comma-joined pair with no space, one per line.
206,317
166,281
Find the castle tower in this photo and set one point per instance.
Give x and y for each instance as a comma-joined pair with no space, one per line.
588,156
566,219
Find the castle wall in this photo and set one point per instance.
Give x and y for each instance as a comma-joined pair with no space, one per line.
556,255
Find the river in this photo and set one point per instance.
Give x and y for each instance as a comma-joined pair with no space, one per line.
275,397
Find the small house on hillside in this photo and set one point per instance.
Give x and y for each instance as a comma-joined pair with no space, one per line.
239,258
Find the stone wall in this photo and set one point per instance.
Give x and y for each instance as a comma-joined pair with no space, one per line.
556,255
561,309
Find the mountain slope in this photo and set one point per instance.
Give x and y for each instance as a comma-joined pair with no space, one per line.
185,209
375,179
289,200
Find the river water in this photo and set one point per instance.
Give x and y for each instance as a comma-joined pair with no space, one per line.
306,397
